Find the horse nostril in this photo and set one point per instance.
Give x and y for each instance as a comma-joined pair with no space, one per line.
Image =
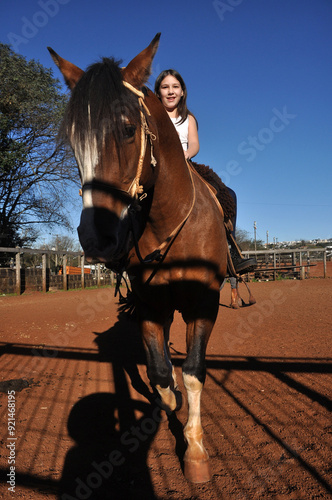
104,236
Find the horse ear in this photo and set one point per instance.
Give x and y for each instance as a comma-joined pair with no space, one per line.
139,69
71,73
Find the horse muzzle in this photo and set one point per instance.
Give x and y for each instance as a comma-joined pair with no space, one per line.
104,236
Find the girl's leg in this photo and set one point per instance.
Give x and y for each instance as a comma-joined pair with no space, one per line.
241,265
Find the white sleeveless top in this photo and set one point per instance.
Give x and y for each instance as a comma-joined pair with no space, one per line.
182,130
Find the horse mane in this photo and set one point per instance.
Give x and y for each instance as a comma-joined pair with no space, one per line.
97,106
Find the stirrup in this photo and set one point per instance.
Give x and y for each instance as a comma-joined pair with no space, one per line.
243,266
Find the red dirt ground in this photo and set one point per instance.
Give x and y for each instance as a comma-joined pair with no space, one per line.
85,427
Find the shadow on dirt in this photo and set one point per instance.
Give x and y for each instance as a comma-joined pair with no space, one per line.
113,432
109,459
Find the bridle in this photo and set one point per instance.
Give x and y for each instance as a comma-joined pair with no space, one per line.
135,188
135,191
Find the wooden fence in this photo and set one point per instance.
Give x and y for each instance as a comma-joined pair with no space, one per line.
18,277
287,263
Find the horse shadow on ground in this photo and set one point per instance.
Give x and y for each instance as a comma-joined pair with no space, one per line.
113,432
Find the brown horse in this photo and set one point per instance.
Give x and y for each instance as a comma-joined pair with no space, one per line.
145,210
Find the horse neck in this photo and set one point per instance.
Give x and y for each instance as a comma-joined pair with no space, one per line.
173,190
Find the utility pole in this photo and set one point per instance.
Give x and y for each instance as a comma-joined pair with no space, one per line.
255,227
267,239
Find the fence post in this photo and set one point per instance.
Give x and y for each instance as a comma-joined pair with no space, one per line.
308,262
18,273
324,263
294,263
44,268
82,272
274,265
64,272
98,275
302,268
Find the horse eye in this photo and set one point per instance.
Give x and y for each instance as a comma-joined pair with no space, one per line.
130,131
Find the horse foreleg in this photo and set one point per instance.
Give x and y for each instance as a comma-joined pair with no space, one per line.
174,382
159,367
196,459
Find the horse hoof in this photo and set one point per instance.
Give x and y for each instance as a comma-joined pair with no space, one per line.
235,305
197,472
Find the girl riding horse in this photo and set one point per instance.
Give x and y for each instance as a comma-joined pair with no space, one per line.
172,92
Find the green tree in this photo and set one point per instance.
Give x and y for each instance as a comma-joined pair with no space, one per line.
246,243
35,173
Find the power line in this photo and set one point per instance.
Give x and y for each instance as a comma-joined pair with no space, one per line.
282,204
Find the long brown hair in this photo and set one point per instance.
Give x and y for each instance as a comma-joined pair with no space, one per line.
183,111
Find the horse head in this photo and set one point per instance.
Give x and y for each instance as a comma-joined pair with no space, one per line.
107,125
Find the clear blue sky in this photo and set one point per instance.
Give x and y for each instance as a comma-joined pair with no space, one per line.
259,77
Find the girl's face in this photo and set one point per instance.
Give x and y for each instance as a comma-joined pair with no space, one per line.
170,92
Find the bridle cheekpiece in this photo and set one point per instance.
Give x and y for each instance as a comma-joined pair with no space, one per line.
135,187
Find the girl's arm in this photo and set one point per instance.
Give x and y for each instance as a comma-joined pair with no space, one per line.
193,142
